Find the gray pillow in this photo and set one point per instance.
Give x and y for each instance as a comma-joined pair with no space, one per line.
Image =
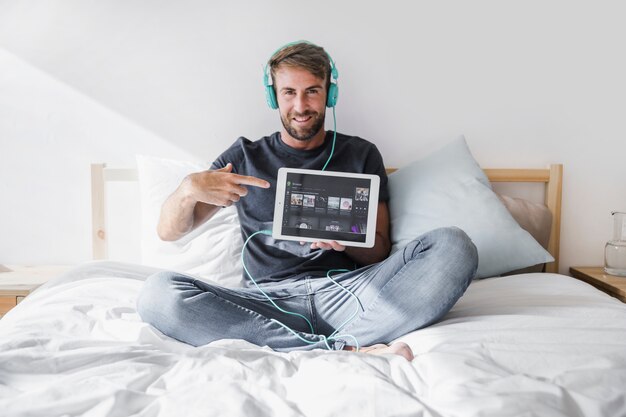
448,188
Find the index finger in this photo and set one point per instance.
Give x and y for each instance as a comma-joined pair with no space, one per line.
248,180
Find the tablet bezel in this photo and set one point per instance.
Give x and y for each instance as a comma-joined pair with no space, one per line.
372,209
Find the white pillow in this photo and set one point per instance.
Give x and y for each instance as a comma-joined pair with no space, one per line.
211,252
448,188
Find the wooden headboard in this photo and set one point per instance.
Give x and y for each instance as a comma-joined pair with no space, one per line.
552,177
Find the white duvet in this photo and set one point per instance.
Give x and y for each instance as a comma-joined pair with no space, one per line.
525,345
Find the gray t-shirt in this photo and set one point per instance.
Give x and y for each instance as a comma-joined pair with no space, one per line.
271,260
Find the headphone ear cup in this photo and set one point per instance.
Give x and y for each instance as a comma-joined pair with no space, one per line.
270,97
333,95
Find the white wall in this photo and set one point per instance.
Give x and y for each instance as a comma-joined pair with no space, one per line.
528,83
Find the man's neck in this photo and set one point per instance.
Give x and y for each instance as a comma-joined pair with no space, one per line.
303,145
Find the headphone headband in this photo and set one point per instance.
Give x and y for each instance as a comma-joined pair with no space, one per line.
333,89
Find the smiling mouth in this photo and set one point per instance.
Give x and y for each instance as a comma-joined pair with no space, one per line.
302,119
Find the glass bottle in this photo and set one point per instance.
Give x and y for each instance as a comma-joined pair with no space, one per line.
615,250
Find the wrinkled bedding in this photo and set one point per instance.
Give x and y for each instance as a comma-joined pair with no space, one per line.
530,344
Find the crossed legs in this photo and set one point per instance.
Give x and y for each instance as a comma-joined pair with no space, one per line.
411,289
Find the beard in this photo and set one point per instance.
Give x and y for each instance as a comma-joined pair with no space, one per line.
299,133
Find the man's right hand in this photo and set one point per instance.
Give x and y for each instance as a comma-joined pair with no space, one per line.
221,187
199,197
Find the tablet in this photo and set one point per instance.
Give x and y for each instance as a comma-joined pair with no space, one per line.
314,206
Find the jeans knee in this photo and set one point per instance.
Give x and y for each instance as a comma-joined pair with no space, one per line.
464,247
459,246
452,246
154,295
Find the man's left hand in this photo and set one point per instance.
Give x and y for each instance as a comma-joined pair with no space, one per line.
328,245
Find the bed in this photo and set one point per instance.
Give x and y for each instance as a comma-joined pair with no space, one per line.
532,344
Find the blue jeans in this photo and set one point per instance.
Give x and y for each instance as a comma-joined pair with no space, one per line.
413,288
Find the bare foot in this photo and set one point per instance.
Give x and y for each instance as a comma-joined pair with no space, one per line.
398,348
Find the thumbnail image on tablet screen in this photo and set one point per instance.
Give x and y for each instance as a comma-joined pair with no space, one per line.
324,205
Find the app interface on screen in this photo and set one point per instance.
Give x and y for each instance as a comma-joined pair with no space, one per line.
326,207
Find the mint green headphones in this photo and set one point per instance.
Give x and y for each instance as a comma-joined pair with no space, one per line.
333,89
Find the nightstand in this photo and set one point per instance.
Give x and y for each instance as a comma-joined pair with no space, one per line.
595,275
16,282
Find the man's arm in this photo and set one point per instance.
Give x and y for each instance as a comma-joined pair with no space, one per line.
199,196
367,256
181,213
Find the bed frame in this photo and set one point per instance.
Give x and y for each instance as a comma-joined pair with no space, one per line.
552,177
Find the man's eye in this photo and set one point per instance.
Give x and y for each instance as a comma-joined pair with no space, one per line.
313,91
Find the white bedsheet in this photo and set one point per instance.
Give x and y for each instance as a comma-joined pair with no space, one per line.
534,344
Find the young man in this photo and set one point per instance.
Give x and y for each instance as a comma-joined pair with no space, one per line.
410,289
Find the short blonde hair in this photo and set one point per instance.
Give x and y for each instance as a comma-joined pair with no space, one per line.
304,55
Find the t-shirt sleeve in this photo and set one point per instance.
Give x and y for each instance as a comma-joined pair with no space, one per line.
234,155
375,165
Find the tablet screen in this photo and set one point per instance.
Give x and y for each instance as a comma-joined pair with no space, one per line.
318,206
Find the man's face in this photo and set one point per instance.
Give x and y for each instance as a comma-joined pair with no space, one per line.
301,102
